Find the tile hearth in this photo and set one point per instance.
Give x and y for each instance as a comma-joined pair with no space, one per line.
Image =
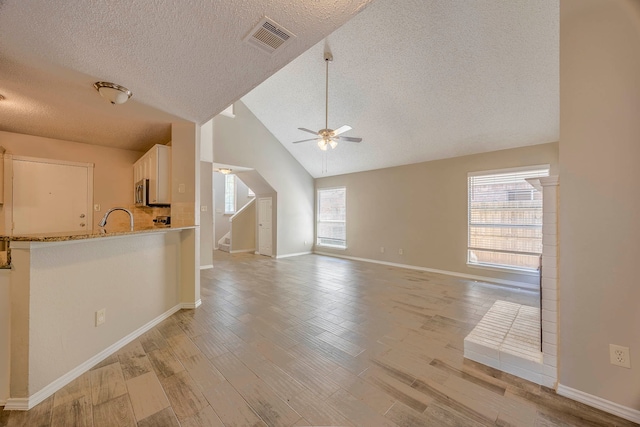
508,338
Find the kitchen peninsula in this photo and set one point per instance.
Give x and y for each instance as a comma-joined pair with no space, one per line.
59,282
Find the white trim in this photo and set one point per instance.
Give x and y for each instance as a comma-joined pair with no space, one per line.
26,403
191,305
53,161
238,251
600,403
206,267
520,285
291,255
3,403
509,270
18,404
508,170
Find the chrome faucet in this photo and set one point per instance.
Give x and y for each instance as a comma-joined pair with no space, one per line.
103,221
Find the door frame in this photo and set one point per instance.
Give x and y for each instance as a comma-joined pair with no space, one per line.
258,221
8,185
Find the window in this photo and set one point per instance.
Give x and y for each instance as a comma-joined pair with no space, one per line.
505,218
229,194
332,217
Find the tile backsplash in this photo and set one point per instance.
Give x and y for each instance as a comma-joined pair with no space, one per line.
142,217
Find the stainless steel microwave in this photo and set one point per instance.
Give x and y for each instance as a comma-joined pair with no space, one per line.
141,192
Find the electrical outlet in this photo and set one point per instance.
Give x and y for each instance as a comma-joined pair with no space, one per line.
619,356
381,249
96,208
400,252
203,208
181,188
101,316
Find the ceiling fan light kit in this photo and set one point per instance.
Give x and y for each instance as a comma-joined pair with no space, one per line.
328,137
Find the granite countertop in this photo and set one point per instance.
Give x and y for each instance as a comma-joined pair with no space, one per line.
61,237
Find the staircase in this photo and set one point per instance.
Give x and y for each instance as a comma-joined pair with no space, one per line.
224,244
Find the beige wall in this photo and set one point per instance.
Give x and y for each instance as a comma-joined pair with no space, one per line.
206,216
422,209
5,332
222,224
243,234
56,288
185,204
599,196
113,172
244,141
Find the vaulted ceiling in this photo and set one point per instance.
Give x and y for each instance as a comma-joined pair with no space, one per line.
421,80
416,79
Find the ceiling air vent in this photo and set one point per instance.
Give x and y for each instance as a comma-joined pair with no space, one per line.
268,35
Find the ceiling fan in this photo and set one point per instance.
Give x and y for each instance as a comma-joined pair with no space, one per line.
328,137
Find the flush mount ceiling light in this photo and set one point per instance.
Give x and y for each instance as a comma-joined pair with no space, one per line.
112,92
224,171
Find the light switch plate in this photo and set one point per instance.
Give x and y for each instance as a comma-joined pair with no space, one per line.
101,316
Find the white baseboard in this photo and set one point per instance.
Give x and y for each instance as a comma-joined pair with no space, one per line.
206,267
512,283
26,403
191,305
600,403
290,255
239,251
19,404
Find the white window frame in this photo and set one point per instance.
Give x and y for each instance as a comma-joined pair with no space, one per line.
492,266
232,195
318,221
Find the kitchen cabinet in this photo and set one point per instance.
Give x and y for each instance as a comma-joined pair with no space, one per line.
155,167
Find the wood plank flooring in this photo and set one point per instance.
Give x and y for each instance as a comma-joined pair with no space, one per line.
312,340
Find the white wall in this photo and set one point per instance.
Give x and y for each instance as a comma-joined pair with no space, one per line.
422,209
244,141
599,196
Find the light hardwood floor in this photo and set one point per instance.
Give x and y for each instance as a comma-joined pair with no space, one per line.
312,340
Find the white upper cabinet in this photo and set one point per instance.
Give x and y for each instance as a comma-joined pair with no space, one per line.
155,166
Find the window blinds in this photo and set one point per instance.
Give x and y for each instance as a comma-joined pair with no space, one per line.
505,219
332,217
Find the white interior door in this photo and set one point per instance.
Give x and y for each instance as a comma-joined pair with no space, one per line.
265,227
51,197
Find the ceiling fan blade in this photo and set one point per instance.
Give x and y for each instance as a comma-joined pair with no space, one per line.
308,130
341,129
349,138
305,140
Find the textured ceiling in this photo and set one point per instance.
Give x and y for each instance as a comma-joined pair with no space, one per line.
421,80
184,58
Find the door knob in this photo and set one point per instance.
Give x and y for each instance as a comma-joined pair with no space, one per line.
82,224
81,215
